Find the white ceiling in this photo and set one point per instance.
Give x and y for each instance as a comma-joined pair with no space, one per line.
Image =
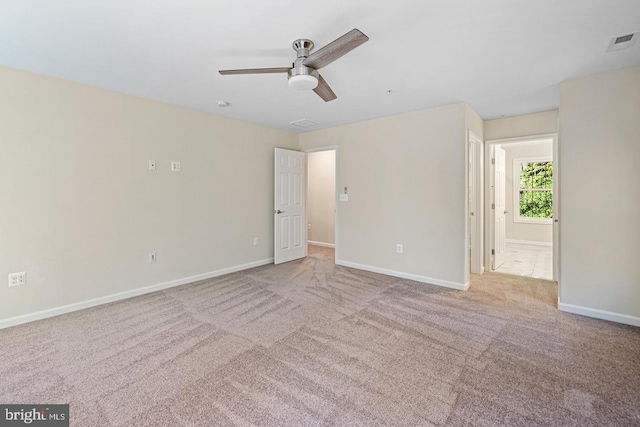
503,57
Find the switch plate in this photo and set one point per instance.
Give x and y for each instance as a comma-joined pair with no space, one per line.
255,241
308,226
344,197
152,257
17,279
399,248
152,165
175,166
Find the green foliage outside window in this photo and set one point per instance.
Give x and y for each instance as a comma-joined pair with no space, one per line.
536,189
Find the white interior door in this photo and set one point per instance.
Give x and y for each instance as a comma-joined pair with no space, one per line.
499,197
471,192
290,216
475,205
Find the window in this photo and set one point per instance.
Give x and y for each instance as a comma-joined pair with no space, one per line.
533,190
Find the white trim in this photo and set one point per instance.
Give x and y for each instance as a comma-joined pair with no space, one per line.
489,149
524,220
32,317
528,242
326,245
556,211
402,275
600,314
532,138
323,148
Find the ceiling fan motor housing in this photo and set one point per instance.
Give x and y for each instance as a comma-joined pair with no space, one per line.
300,76
302,47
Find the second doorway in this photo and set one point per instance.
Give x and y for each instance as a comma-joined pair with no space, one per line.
321,198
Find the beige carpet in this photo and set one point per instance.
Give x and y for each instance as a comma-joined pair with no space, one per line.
310,343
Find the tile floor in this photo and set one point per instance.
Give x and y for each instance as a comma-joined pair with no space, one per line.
528,260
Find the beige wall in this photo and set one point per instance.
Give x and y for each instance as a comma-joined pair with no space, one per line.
81,211
520,230
519,126
321,196
406,181
474,121
599,157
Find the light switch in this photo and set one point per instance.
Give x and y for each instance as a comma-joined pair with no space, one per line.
344,197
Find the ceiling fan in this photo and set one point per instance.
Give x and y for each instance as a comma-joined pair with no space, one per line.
303,73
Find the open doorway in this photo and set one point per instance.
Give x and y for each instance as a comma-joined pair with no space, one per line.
321,202
520,205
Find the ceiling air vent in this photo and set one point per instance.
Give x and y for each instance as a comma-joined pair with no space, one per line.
623,39
623,42
303,123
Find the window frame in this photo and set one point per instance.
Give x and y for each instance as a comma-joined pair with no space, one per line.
516,190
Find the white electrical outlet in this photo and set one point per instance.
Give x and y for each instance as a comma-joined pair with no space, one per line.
152,257
399,248
152,165
255,241
17,279
175,166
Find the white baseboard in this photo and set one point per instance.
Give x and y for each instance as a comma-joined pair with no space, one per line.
600,314
402,275
326,245
528,242
32,317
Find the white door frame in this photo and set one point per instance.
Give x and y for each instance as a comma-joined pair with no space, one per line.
555,199
488,218
498,204
476,201
337,192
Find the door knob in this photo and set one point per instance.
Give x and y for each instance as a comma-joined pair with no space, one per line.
278,211
506,212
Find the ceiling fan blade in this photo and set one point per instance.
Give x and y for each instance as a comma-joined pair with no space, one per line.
324,91
256,71
334,50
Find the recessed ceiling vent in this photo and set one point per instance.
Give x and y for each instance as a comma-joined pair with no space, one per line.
623,42
303,123
623,39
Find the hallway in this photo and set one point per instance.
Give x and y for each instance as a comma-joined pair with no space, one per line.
528,261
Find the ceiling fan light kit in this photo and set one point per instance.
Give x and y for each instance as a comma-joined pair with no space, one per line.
303,74
303,82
